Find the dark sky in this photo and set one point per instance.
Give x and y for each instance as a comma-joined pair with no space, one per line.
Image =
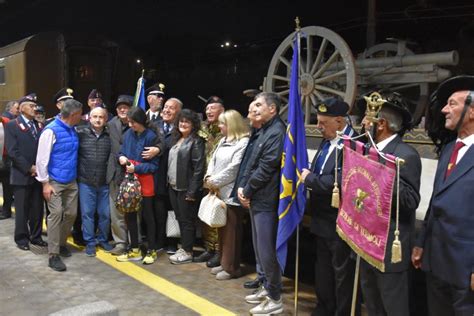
185,34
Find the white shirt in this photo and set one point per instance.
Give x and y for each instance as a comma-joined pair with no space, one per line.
157,114
468,141
381,145
45,145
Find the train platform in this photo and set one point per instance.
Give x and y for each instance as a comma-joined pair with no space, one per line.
29,287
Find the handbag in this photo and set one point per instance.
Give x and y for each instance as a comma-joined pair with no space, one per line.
172,225
129,197
213,211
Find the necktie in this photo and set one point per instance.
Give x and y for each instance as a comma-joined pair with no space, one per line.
33,129
321,157
166,128
454,157
153,117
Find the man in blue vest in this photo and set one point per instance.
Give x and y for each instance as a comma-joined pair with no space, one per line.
56,164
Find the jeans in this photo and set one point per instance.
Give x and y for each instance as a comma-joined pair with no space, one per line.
94,199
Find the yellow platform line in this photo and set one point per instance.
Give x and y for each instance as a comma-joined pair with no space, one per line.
175,292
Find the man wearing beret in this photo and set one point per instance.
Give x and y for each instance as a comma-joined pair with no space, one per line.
59,98
22,144
334,269
387,293
94,100
445,247
155,98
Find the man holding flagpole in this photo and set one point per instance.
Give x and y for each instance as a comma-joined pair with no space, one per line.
334,269
259,189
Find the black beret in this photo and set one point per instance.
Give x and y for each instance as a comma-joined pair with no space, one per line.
124,99
63,94
214,99
451,85
28,98
332,107
39,108
95,94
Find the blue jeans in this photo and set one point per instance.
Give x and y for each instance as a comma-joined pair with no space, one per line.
92,199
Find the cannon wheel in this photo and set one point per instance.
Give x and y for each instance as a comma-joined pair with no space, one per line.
417,94
321,50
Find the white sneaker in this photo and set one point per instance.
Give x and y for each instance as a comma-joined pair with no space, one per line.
268,307
216,270
176,254
257,296
183,257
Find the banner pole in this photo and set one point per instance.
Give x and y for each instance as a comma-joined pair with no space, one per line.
356,284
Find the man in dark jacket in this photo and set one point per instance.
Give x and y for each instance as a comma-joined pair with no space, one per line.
445,248
22,136
259,190
387,293
94,151
334,269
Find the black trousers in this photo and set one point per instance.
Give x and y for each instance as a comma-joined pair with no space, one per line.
334,277
161,204
149,216
445,299
29,212
7,193
186,214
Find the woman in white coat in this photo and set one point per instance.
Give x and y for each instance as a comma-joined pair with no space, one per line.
220,176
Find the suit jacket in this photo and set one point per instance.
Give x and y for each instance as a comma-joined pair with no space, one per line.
161,176
323,215
116,129
448,233
410,173
22,148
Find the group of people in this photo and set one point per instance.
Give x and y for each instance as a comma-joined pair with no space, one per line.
81,160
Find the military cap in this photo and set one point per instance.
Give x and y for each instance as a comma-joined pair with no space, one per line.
63,94
157,88
214,99
95,94
28,98
39,108
332,107
452,85
124,99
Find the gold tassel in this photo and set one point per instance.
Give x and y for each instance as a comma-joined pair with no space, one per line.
335,196
396,249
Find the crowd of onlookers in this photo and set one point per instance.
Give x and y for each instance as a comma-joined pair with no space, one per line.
92,168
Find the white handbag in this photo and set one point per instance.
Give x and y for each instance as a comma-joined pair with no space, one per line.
172,225
213,211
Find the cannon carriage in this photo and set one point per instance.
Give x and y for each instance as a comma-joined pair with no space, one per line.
328,68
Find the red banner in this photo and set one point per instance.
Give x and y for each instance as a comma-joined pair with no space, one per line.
364,216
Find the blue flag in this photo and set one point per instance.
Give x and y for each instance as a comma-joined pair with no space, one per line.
139,99
295,158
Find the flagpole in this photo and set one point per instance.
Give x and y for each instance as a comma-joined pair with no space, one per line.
298,38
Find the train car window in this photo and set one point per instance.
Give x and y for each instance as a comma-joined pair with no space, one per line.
2,70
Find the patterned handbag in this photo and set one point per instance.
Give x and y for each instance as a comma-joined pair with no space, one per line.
172,225
129,196
213,211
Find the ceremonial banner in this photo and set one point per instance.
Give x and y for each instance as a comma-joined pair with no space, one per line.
364,216
139,99
295,158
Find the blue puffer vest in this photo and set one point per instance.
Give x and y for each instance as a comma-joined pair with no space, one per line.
62,165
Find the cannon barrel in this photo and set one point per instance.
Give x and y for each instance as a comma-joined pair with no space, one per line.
445,58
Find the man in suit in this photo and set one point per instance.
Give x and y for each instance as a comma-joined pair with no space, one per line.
387,293
445,247
334,269
258,190
12,110
6,211
22,136
155,98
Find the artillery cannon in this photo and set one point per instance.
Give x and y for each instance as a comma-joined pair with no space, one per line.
328,68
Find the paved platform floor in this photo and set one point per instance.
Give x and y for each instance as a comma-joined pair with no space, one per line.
29,287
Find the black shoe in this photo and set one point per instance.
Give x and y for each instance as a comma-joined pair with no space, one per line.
23,247
215,261
3,216
254,284
40,242
204,257
171,250
79,241
64,251
56,263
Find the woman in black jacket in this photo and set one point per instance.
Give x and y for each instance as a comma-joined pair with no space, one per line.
185,175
